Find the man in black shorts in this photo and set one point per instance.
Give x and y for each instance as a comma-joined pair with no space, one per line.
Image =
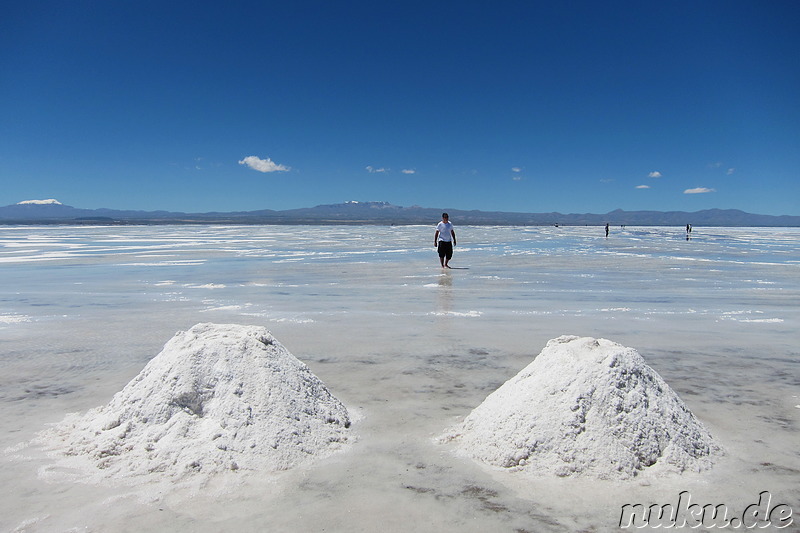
445,240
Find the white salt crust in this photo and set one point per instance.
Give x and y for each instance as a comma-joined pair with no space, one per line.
217,398
586,407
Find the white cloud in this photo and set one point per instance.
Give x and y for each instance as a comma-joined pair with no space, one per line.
263,165
408,171
698,190
50,201
517,178
373,170
654,174
642,186
516,169
730,171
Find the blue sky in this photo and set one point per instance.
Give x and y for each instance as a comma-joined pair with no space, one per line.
569,106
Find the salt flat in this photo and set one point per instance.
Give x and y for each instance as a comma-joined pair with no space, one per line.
412,349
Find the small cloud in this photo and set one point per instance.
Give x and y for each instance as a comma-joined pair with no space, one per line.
607,180
517,178
699,190
263,165
50,201
730,171
642,186
408,171
654,174
516,169
373,170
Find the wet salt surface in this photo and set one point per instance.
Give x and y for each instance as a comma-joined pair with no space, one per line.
413,349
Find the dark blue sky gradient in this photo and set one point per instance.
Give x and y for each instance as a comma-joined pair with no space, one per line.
516,106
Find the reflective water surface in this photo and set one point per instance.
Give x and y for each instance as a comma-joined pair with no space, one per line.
409,346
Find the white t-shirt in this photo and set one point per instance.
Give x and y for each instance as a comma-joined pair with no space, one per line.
445,230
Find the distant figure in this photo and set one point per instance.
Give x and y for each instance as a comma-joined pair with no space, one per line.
688,228
445,239
606,229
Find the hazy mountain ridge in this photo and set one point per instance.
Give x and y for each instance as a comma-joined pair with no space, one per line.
382,213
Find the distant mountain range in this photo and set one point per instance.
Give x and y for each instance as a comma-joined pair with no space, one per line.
54,212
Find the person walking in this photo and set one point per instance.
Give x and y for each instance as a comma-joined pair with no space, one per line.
445,239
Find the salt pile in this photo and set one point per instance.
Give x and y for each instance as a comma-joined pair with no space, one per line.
217,398
586,407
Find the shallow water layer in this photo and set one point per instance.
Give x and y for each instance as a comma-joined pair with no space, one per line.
409,346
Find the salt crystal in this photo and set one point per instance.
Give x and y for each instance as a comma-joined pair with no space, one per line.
217,398
586,407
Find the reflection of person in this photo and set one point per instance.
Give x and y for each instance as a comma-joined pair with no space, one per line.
444,239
